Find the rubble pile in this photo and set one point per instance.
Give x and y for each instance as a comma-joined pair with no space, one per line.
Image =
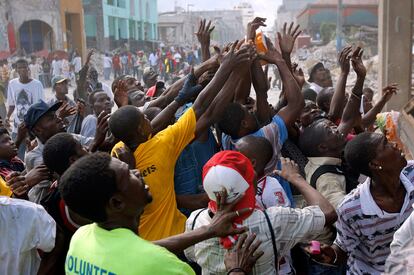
328,56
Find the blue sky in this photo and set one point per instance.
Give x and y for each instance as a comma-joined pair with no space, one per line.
263,8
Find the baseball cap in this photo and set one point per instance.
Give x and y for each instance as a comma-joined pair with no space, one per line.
37,110
58,79
149,73
313,68
232,171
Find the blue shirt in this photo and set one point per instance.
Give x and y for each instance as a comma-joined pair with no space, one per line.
189,166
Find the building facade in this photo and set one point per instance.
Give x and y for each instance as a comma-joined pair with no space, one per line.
36,25
110,24
355,13
247,12
178,27
289,10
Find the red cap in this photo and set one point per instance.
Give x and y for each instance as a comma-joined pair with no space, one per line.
234,172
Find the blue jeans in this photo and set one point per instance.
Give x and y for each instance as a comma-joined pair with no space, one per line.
317,269
107,73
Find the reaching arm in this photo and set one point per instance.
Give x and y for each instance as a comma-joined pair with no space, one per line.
292,91
81,89
243,90
351,112
168,96
189,91
290,172
264,112
369,118
221,225
287,41
231,60
203,36
219,103
338,98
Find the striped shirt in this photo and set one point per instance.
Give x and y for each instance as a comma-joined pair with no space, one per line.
289,225
365,231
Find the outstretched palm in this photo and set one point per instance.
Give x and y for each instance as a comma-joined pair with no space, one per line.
287,38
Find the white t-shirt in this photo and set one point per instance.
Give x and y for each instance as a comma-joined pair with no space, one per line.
22,96
153,59
177,57
270,193
77,64
108,91
56,67
107,62
35,70
25,227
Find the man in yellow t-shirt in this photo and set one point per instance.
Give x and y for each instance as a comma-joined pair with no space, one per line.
156,156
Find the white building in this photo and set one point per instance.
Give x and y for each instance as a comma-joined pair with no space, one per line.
247,12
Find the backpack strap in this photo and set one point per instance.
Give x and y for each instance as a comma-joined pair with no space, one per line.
195,218
272,234
323,169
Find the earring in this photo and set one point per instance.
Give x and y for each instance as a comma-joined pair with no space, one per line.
380,167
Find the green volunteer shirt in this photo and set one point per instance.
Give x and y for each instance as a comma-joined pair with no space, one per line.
94,250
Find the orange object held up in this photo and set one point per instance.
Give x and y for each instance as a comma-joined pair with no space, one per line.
261,46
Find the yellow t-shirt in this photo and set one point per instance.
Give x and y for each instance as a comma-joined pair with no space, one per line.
4,189
156,160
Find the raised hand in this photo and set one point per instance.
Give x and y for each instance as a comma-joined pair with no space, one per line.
233,58
287,38
88,57
357,63
101,128
65,110
344,59
290,170
389,91
204,32
272,55
253,26
125,155
121,94
244,256
298,75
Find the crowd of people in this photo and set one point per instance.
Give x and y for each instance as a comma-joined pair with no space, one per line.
170,63
200,177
